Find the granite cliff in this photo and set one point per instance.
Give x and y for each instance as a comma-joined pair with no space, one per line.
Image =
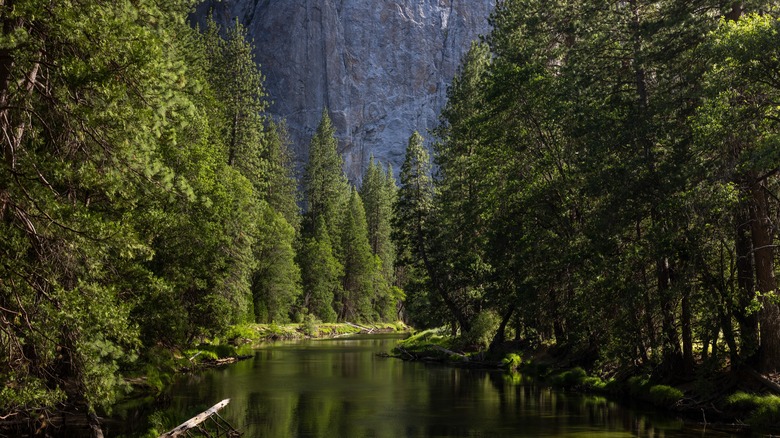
381,67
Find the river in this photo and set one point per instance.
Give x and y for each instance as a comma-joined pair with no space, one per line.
341,388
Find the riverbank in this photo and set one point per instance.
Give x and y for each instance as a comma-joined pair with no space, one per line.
741,401
235,345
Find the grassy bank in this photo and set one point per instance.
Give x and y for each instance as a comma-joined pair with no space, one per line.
155,372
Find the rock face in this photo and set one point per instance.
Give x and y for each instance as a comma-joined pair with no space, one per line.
381,67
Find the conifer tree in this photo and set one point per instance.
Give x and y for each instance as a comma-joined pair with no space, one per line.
326,193
276,282
238,84
412,227
360,265
321,273
282,186
325,186
378,193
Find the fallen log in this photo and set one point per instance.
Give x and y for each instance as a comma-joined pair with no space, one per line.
360,327
195,421
774,387
450,352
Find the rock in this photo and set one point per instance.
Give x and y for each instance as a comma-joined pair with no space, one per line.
382,67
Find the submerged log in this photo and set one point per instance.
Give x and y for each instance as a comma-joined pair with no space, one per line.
195,421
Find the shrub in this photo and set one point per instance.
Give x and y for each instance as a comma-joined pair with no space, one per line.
762,411
310,325
482,330
594,384
638,387
569,379
663,395
512,361
240,334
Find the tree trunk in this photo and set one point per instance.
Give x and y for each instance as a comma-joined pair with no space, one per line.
763,251
500,336
687,333
672,355
746,289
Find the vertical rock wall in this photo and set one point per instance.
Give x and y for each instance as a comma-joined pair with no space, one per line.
382,67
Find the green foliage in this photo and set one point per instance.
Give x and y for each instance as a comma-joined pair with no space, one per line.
378,193
325,186
132,192
638,387
361,267
276,281
310,325
762,411
664,396
240,334
320,273
482,330
512,361
422,341
592,166
326,194
569,379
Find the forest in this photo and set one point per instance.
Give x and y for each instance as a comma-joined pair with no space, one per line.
604,178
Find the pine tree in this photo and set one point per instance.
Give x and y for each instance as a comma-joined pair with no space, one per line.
282,187
326,192
378,194
238,84
361,267
276,282
320,271
325,186
412,227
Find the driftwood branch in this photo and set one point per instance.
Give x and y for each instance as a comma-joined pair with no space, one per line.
450,352
360,327
195,421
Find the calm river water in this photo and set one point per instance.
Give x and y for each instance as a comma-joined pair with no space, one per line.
341,388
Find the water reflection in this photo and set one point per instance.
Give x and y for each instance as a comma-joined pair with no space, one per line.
340,387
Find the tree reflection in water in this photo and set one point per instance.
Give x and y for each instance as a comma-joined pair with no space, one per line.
340,387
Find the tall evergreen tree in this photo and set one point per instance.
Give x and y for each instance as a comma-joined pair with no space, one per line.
282,186
238,84
378,194
360,266
325,186
326,193
320,272
412,227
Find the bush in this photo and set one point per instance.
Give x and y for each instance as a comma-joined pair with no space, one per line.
240,334
310,325
482,330
638,387
274,328
512,361
594,384
664,396
761,411
569,379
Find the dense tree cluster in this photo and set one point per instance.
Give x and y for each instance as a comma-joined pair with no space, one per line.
147,201
346,253
606,178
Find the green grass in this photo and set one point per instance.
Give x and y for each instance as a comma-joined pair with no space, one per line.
664,396
761,411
